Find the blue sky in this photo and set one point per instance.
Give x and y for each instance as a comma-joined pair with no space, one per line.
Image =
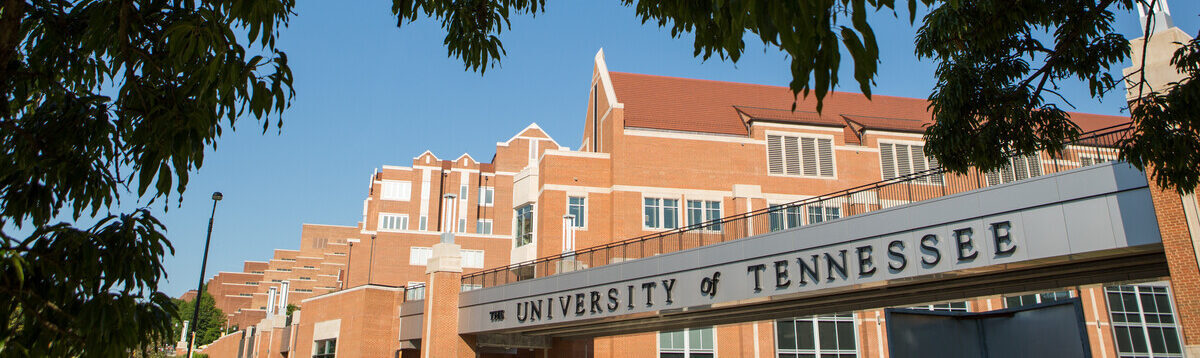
370,94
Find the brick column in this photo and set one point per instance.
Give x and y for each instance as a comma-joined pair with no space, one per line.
1181,260
444,269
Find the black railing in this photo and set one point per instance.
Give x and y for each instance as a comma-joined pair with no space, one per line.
1091,148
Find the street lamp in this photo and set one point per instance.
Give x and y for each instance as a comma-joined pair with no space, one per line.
203,264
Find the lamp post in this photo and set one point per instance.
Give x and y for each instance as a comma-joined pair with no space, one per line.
349,257
203,264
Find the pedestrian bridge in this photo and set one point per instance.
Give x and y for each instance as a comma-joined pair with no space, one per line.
1089,225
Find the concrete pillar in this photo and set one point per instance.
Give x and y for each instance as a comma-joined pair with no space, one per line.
440,337
271,301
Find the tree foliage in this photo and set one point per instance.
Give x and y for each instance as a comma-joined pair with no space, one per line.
102,98
999,64
208,327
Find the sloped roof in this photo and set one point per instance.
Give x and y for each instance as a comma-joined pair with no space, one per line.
694,105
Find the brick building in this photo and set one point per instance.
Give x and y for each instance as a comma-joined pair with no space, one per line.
662,153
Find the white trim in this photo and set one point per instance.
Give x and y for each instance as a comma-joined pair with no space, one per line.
891,133
424,153
452,169
839,130
800,135
668,192
348,290
567,153
606,80
468,157
532,125
848,148
506,173
396,167
658,133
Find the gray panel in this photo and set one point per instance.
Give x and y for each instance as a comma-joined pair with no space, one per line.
1129,219
1088,226
1087,181
1042,228
1044,232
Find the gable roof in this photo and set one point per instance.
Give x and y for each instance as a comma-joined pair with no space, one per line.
694,105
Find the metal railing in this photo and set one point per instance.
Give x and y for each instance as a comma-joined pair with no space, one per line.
1090,148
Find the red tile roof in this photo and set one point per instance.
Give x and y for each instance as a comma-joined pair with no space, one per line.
684,104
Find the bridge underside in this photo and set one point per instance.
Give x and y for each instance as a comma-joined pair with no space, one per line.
1130,264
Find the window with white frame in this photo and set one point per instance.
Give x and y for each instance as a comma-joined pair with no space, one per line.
462,192
577,207
396,190
424,223
687,343
1018,168
472,258
485,195
483,226
1143,321
462,224
325,348
800,156
392,222
419,256
817,213
897,160
1035,298
524,227
816,336
702,211
781,217
660,213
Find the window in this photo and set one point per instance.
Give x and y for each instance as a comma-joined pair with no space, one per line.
414,291
576,206
784,217
472,258
816,336
960,306
688,343
424,223
483,226
419,256
803,156
284,269
661,213
393,222
524,227
396,190
485,196
897,160
325,348
252,283
1143,321
702,211
818,214
462,225
248,294
1018,168
1035,298
306,278
462,192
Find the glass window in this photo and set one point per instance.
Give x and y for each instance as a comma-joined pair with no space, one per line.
691,342
419,256
483,226
524,229
1143,321
576,207
1035,298
704,211
395,190
472,258
462,225
660,213
325,348
784,217
424,222
485,195
818,214
462,192
817,336
393,222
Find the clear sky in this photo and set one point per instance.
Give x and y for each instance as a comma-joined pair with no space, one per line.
370,94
